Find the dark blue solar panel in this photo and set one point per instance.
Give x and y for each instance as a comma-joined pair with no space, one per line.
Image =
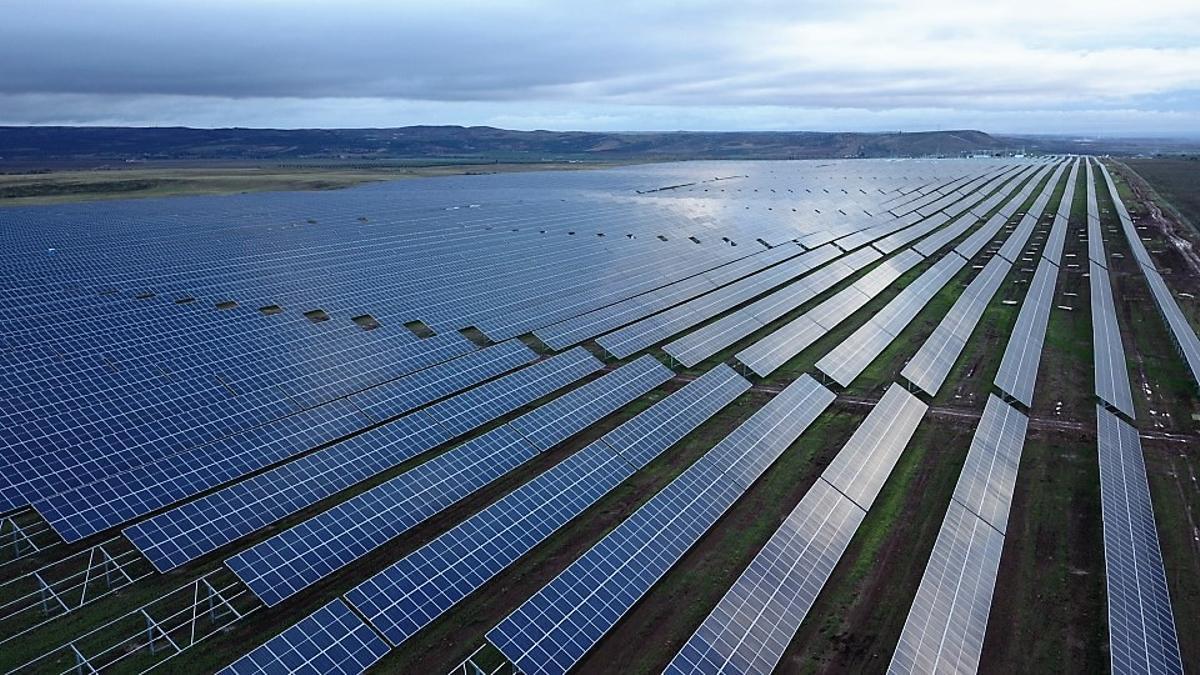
298,557
552,630
117,499
405,597
330,640
194,529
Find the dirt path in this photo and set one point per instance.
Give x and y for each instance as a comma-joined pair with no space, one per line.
970,415
1168,226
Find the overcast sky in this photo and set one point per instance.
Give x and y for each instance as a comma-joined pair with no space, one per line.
1017,66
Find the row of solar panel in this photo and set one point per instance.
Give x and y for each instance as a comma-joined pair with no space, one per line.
947,621
408,595
1112,377
301,555
657,327
1141,625
1177,324
92,448
201,526
551,631
931,365
772,351
752,625
850,358
93,476
709,340
125,496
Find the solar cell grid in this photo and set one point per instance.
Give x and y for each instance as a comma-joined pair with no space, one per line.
864,463
556,627
1017,374
1112,377
193,529
405,597
932,363
754,622
948,620
988,477
331,640
296,558
1142,636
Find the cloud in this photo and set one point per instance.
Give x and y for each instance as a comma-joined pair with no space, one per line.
740,64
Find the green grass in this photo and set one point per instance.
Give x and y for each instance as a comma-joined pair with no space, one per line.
1177,181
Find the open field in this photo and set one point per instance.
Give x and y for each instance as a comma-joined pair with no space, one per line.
1176,182
123,327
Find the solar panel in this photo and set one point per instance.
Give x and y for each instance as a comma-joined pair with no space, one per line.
948,620
932,363
1142,637
1056,240
850,358
118,499
700,344
1015,244
1181,330
201,526
989,475
864,463
330,640
636,337
551,631
753,623
776,349
408,595
294,559
1112,377
1017,374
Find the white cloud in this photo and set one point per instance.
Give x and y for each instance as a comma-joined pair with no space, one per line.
755,64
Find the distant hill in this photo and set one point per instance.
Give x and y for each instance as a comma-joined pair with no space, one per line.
26,145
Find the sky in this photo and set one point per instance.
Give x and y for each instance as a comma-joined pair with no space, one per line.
1004,66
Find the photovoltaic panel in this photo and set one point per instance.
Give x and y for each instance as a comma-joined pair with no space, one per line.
643,334
552,630
1057,238
1181,330
850,358
331,640
1185,338
195,528
408,595
125,496
294,559
1141,627
931,365
1112,376
776,349
704,342
585,326
947,622
988,477
864,463
1017,374
753,623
